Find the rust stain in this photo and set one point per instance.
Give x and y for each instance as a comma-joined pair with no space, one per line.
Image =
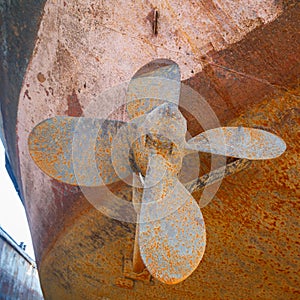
152,17
74,107
41,77
124,283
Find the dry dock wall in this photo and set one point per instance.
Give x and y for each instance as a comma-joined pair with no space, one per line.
18,272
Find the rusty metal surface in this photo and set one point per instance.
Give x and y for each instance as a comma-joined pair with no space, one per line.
171,235
239,142
253,233
63,73
52,147
152,85
171,231
251,230
137,195
163,129
196,185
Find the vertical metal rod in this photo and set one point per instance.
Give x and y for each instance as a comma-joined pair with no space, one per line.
137,263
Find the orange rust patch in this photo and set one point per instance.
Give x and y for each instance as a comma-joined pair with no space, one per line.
41,78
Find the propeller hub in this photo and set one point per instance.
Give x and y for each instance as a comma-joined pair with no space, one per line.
166,121
165,129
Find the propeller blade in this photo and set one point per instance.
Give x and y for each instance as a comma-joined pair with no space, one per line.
155,83
239,142
122,156
172,234
74,150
